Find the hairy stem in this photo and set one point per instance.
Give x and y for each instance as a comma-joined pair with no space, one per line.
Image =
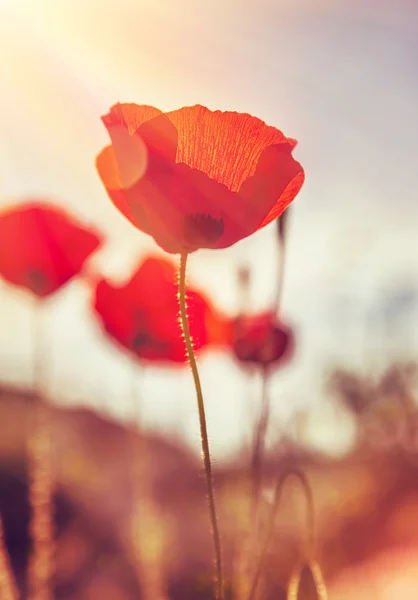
310,542
203,428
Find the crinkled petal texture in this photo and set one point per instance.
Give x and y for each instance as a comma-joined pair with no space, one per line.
194,178
262,340
142,315
42,247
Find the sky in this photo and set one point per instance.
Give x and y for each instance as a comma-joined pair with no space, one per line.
339,76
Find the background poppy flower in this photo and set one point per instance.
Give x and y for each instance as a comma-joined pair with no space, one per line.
193,178
142,315
262,340
42,247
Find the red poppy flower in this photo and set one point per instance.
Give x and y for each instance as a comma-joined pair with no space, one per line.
193,178
142,315
42,247
262,340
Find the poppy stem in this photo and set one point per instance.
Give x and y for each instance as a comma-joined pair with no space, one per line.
310,526
41,490
282,261
259,442
203,428
279,293
147,532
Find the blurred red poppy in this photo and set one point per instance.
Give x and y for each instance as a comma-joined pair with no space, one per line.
262,340
142,315
42,247
193,178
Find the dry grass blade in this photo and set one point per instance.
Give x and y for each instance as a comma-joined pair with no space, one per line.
317,577
310,543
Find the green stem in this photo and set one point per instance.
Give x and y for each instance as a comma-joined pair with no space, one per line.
203,428
310,544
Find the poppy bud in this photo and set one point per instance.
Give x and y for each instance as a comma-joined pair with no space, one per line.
261,340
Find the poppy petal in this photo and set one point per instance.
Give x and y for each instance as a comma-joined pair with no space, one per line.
161,138
131,156
276,181
130,115
205,206
225,145
142,315
137,170
42,247
137,203
107,168
155,281
194,178
152,126
116,320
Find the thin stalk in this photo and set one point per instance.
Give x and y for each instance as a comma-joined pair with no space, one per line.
41,560
203,428
147,533
259,443
282,236
8,588
318,579
280,282
310,527
244,277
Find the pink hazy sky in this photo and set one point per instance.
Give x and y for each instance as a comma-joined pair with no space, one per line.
340,76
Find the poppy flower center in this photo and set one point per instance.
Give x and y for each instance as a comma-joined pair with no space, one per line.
141,339
37,281
202,229
263,346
